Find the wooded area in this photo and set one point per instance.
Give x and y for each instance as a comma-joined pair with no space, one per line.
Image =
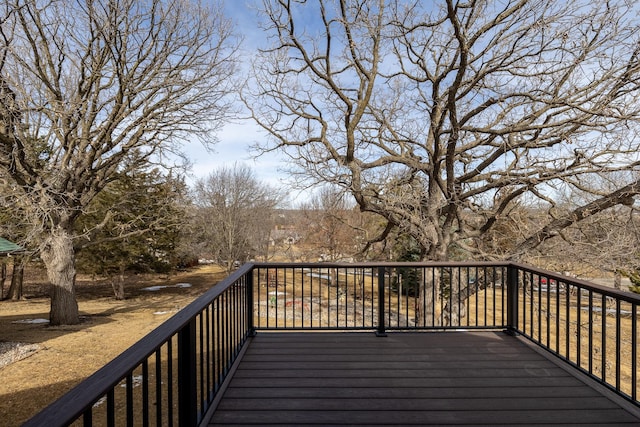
446,130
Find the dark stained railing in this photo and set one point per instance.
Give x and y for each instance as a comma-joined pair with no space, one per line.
592,327
173,375
380,296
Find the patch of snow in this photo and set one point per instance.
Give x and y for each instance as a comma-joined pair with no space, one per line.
32,321
321,276
13,351
154,288
136,380
159,287
158,313
100,402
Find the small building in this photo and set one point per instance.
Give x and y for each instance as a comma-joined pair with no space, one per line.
9,248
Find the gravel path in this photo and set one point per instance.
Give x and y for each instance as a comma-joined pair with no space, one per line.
13,351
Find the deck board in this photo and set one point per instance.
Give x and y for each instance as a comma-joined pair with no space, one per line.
461,378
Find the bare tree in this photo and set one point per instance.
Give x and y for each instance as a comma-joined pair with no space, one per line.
91,88
332,229
605,242
439,117
236,214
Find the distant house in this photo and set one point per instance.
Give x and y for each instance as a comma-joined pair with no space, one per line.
9,248
281,235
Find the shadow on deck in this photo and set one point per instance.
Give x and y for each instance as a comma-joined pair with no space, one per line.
457,378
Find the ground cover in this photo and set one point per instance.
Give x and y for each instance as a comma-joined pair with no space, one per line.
51,360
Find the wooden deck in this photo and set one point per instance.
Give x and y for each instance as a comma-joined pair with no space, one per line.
458,378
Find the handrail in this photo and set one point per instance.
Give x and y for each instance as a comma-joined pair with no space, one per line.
606,290
184,362
592,327
85,395
351,296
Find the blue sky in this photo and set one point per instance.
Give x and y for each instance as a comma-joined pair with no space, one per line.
235,139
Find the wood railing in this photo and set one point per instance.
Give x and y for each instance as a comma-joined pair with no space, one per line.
173,375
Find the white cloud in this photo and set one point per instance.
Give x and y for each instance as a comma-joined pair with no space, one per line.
237,138
234,146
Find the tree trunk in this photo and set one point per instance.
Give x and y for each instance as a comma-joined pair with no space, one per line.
429,293
15,290
428,296
59,259
118,288
454,308
3,277
117,283
617,280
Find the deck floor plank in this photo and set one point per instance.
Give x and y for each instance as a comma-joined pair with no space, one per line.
461,378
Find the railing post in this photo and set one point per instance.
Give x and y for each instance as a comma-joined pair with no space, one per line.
381,312
187,383
251,327
512,300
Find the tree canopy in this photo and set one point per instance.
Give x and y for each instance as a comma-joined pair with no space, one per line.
441,117
235,214
93,89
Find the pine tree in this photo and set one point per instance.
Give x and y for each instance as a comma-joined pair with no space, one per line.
134,224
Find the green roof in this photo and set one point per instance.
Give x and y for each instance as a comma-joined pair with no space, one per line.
8,247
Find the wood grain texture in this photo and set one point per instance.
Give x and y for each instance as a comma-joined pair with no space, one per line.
458,378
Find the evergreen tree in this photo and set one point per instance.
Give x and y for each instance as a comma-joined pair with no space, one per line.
408,250
634,277
134,224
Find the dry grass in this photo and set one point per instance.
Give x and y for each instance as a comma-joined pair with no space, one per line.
66,355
